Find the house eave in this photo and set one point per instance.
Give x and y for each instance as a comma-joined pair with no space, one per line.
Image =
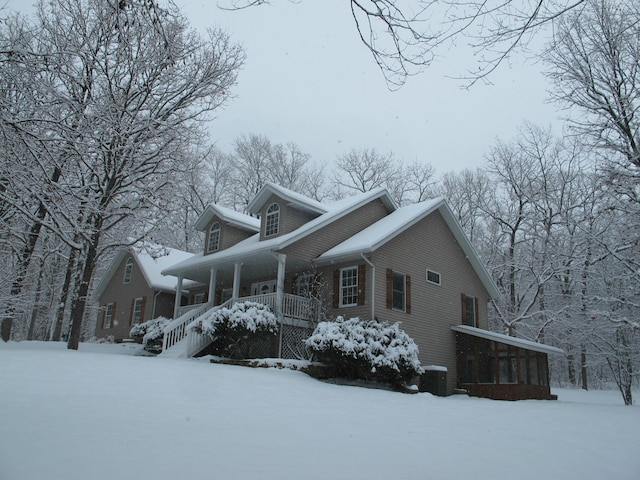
506,339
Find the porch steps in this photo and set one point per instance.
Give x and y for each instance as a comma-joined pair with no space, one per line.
177,350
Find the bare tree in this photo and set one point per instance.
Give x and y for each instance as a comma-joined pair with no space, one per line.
365,169
593,64
404,37
129,82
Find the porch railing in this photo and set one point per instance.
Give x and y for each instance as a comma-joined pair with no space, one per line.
293,308
177,329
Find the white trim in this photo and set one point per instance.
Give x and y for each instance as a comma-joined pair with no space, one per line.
438,283
341,303
513,341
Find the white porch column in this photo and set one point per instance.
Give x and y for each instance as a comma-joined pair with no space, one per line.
212,285
236,281
282,259
178,301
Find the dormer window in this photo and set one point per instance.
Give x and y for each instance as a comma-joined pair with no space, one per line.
214,238
272,220
128,268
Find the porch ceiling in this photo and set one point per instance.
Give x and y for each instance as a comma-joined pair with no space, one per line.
258,266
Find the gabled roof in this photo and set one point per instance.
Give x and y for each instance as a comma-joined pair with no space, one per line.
513,341
293,199
151,259
387,228
237,219
253,245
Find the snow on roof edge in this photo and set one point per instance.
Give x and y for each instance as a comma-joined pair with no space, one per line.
501,338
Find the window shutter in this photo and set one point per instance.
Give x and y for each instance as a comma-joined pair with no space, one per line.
361,286
408,294
463,299
144,301
475,305
104,315
113,313
336,288
389,288
133,304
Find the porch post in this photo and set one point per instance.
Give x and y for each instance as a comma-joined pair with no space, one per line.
282,259
236,281
212,285
176,306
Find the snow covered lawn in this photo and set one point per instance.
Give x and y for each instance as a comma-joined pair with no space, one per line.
88,415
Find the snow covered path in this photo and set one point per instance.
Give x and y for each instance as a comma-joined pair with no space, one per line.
89,415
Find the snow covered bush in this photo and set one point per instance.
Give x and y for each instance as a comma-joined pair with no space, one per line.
150,333
366,349
239,331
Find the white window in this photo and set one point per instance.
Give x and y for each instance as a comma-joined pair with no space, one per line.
136,316
214,238
469,310
272,220
128,268
399,290
348,286
108,316
198,298
433,277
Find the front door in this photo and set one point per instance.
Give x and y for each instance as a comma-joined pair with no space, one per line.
262,288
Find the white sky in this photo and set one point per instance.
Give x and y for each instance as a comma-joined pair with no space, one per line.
309,80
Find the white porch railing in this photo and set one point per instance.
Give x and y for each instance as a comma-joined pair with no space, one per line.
196,341
293,308
187,308
177,329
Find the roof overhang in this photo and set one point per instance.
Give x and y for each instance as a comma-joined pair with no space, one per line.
239,220
293,199
506,339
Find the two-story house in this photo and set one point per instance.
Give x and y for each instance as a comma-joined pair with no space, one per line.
361,256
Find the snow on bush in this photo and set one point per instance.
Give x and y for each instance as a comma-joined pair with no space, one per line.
358,348
239,331
150,333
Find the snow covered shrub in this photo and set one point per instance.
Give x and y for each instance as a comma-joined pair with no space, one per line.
366,349
238,332
150,333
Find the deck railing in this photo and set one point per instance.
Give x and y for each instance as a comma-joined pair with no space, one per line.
293,307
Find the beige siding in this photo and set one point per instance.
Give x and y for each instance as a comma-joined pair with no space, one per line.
434,309
427,245
229,235
319,242
123,296
290,218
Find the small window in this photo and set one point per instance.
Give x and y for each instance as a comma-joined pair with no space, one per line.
198,298
136,316
433,277
214,238
108,316
128,268
469,310
272,220
348,286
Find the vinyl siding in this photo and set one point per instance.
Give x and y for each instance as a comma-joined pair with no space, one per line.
312,246
290,218
123,295
434,308
229,235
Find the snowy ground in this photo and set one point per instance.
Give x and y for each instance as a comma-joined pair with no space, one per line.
88,415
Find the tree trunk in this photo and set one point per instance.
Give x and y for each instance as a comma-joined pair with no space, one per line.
583,367
64,295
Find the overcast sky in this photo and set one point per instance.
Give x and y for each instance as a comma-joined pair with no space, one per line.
309,80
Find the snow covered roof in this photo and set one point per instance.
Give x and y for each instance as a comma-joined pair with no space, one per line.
253,245
295,199
513,341
152,260
385,229
237,219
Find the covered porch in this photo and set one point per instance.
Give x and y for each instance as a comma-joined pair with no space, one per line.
500,367
282,282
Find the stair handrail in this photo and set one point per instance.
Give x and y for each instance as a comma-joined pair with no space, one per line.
177,329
